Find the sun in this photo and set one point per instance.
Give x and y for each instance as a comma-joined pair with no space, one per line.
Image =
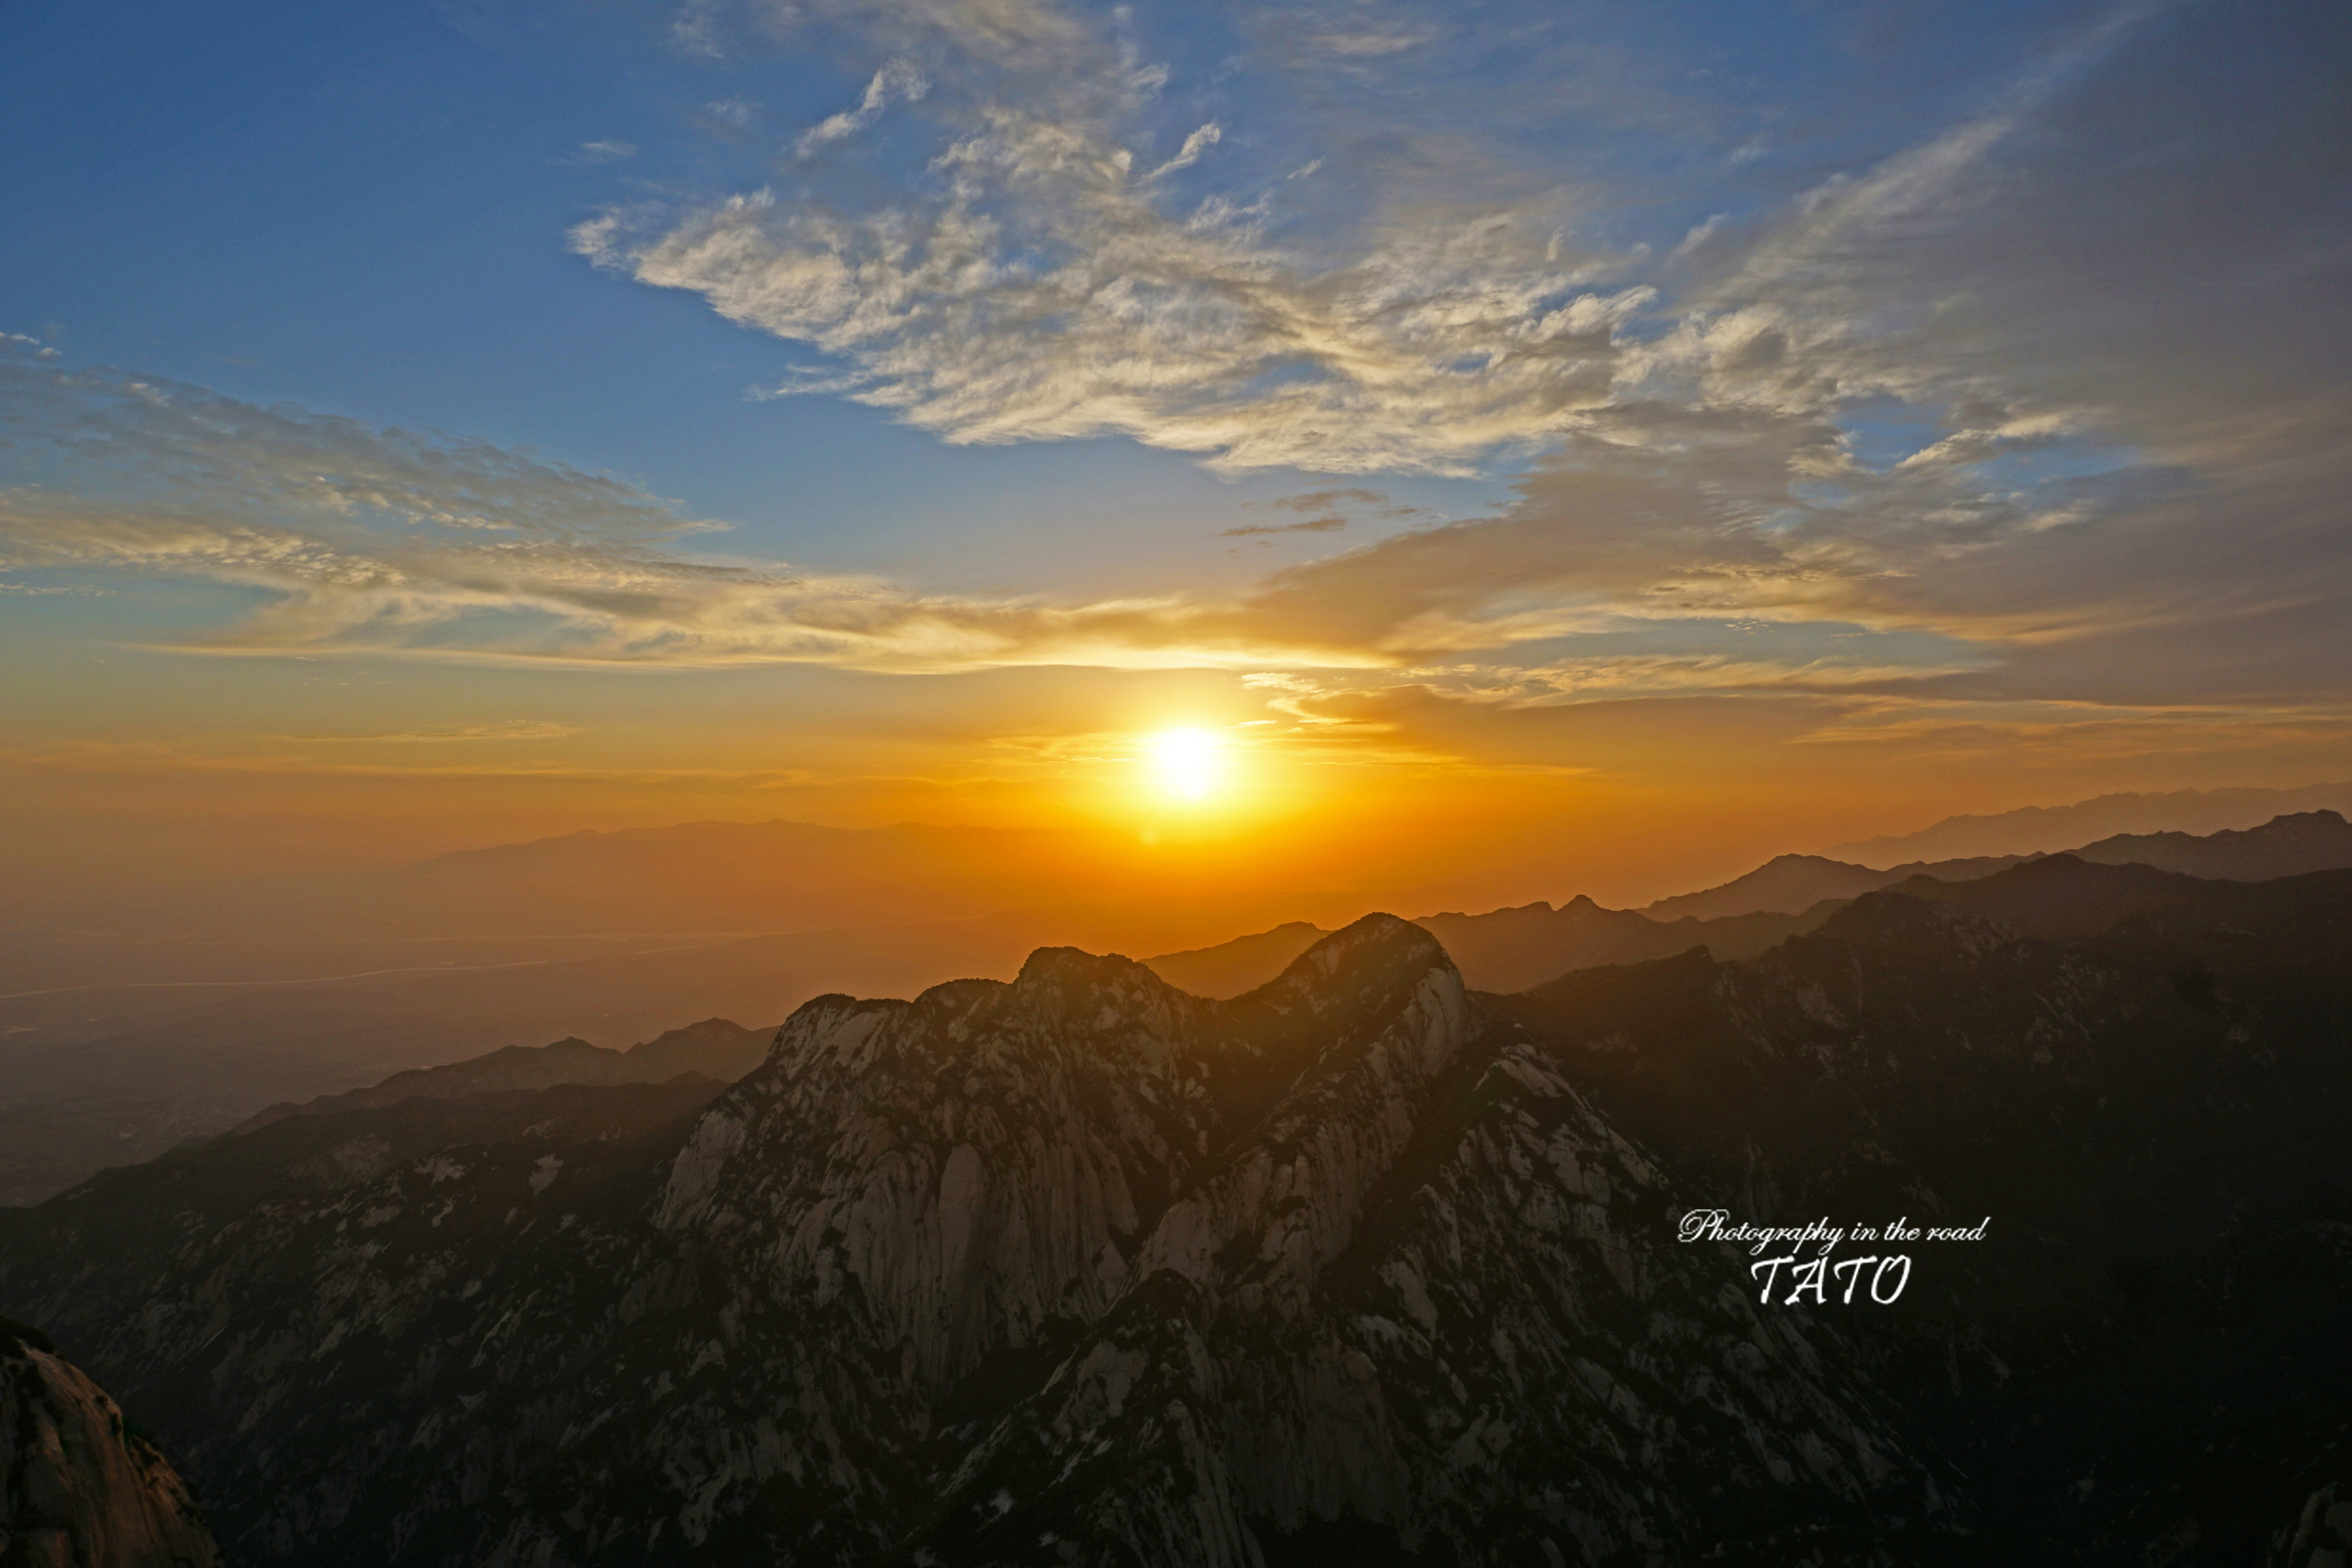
1186,762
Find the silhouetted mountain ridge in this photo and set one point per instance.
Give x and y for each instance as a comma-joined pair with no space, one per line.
2048,829
715,1049
1513,949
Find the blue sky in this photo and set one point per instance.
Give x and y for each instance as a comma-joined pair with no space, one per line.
363,210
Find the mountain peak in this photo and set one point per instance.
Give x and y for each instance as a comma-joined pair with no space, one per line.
1070,969
1371,939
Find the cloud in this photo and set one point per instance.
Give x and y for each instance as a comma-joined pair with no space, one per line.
1195,144
387,541
1082,308
897,82
1312,525
1983,391
513,730
1371,43
1043,280
1322,508
1327,501
605,150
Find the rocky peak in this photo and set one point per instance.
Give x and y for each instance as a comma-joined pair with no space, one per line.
77,1485
1354,964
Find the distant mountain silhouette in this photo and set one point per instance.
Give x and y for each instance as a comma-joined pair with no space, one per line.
1502,950
1790,884
2283,846
1513,949
2049,828
715,1049
1245,963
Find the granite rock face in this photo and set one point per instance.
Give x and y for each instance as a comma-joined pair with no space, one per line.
79,1488
1076,1267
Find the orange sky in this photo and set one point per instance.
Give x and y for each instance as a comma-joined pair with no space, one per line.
158,768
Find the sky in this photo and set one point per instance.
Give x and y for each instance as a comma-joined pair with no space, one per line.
1522,448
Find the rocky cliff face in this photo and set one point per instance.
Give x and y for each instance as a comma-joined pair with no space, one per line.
1360,1265
1166,1280
78,1487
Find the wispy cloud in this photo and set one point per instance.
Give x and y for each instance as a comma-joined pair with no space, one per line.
1088,311
513,730
1045,280
1323,512
605,150
1197,143
390,542
897,82
1312,525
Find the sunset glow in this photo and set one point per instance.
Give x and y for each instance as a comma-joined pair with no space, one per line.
1292,442
991,694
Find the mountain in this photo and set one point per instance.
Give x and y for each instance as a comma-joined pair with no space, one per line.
1792,884
1245,963
1507,949
1789,884
2148,1110
2283,846
2047,829
80,1488
1360,1265
714,1048
1077,1256
2062,899
1502,950
84,1087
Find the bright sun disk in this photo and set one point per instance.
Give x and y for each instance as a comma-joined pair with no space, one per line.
1186,762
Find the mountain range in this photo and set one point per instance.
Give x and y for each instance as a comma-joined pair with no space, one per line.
2046,829
1079,1268
96,1075
715,1050
1510,949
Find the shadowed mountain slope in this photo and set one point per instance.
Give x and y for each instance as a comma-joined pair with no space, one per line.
2138,1078
714,1048
1792,884
2047,829
2283,846
1504,950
